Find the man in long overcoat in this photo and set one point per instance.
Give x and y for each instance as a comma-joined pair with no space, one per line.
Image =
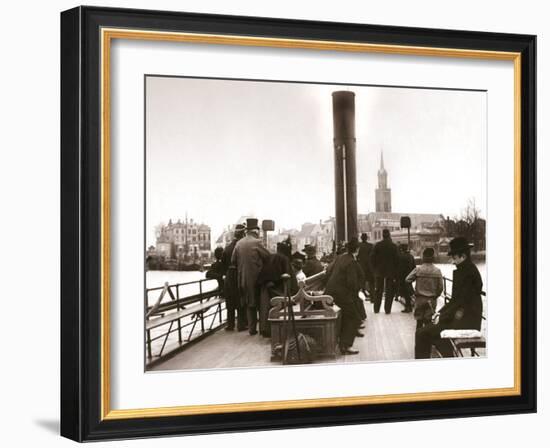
231,285
385,261
344,282
249,256
365,261
463,311
406,266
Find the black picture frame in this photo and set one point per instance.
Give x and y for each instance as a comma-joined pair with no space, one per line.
81,224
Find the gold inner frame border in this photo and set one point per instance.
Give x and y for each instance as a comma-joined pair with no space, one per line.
107,35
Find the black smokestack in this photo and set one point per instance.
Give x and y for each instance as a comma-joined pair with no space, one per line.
345,177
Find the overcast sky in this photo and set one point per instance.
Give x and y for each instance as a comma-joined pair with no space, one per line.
218,150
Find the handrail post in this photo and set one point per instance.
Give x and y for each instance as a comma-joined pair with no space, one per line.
202,313
177,310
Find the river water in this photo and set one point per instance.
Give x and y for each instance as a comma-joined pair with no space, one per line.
154,279
158,278
448,268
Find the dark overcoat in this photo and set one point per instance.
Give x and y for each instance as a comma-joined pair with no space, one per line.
345,278
365,260
385,259
464,310
217,271
275,266
249,256
406,265
231,287
312,266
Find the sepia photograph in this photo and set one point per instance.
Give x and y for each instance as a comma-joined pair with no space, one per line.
293,223
272,223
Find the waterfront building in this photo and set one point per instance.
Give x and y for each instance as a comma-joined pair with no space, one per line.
188,240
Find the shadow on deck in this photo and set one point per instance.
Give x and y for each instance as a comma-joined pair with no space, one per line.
388,337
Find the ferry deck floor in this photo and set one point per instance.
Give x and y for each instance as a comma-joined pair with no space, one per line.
387,337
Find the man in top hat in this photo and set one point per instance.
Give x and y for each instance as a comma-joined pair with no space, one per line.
249,256
364,259
463,311
385,260
231,286
406,265
428,287
344,282
312,265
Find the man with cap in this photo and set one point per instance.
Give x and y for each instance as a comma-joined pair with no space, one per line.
231,286
344,282
463,311
364,259
249,256
312,264
385,260
406,265
428,287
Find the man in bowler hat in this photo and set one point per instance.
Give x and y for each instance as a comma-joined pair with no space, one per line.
385,260
344,282
231,286
463,311
406,265
249,256
364,259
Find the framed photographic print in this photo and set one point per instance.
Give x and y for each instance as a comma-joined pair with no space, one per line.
273,223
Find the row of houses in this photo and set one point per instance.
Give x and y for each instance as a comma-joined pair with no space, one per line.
185,239
426,230
191,240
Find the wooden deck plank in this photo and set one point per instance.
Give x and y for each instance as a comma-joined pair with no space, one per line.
387,337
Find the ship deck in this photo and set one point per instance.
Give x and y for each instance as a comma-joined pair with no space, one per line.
388,337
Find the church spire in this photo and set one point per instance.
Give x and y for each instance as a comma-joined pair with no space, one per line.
382,174
383,192
382,170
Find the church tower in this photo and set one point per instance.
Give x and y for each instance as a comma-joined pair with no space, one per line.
383,193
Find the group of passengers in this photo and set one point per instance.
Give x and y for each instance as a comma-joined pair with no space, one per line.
250,276
390,271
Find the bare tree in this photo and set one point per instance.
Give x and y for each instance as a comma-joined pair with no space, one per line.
471,225
471,213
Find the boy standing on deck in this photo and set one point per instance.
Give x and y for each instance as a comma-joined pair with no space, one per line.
429,286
